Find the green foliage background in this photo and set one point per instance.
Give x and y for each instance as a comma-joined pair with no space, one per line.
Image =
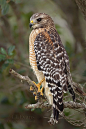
14,53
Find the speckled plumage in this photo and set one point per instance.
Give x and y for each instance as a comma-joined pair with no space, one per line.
49,60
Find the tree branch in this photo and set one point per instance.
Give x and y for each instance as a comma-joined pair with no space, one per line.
71,105
23,78
40,103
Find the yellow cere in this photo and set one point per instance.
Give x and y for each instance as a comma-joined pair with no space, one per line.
31,22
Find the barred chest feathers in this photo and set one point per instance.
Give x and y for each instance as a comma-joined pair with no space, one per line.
32,59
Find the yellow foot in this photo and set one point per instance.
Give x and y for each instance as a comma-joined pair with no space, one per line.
31,89
41,91
38,86
36,97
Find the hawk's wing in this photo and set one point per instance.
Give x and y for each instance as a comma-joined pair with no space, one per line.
51,58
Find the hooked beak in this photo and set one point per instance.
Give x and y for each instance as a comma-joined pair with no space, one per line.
30,25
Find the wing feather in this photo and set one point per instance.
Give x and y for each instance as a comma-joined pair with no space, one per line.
51,57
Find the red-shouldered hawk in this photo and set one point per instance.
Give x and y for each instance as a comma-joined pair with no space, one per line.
49,61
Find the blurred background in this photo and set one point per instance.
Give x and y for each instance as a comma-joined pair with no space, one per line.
14,53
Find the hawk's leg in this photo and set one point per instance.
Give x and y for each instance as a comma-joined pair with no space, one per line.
40,91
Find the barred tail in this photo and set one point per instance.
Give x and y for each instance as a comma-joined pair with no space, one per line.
57,93
57,103
55,115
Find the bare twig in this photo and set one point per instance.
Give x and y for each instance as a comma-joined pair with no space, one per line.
23,78
74,105
82,6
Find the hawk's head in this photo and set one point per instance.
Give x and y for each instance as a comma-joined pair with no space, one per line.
41,20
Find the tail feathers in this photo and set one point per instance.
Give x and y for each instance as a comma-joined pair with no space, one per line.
55,115
57,103
57,92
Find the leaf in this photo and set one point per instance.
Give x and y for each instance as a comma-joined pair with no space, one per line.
32,109
84,74
1,126
3,51
5,100
5,65
9,61
2,3
10,50
5,9
2,57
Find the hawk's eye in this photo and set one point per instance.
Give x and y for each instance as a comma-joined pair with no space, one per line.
39,19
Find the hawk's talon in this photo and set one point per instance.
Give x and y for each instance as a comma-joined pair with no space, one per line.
36,97
31,89
34,93
40,91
